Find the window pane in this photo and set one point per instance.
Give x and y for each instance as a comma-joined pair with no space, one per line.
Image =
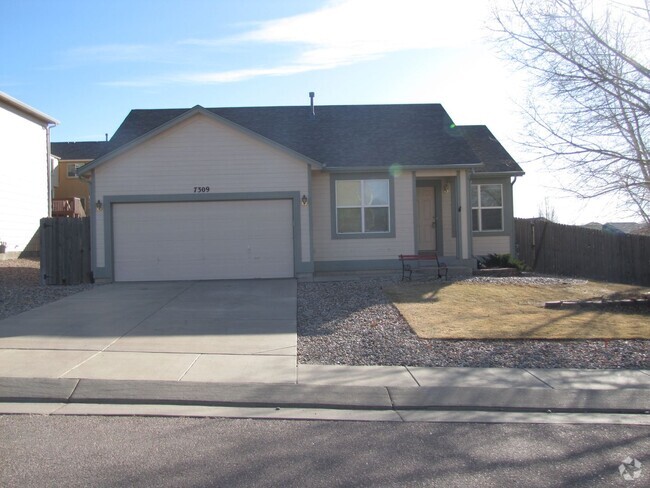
376,219
348,193
375,192
491,219
348,220
490,195
474,196
475,220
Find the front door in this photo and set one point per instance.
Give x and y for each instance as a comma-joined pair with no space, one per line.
426,218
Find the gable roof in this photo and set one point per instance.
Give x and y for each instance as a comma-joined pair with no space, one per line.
350,137
79,151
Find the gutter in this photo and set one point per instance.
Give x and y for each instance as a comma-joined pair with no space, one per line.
26,109
498,174
410,167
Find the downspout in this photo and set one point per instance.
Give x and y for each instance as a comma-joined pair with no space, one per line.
50,183
513,241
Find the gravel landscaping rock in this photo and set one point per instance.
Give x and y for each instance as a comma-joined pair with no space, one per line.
20,289
354,323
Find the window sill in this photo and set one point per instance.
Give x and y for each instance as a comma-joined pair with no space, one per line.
367,235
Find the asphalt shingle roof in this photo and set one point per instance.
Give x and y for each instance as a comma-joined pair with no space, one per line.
489,150
349,136
68,151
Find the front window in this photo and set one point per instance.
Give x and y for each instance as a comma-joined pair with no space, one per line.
362,206
487,208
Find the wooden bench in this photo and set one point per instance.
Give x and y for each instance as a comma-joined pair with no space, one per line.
407,268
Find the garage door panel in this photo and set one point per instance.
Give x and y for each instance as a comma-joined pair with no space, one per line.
203,240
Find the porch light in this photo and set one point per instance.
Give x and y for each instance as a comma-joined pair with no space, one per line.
304,200
446,187
99,205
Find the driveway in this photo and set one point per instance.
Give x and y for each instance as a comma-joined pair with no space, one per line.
214,331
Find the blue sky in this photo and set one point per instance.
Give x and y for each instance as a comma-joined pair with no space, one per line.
87,63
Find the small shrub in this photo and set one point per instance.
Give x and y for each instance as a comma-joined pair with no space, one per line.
501,261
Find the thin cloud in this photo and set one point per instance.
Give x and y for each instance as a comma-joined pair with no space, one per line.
113,53
342,33
218,77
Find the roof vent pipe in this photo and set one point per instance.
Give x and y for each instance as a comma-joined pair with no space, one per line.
106,136
311,97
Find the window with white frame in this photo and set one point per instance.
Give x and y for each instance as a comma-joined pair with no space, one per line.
487,207
72,169
362,206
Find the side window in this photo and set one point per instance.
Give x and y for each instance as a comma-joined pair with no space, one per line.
487,208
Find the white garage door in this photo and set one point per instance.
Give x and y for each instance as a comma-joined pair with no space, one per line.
203,240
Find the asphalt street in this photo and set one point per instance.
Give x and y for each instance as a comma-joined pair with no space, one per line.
188,452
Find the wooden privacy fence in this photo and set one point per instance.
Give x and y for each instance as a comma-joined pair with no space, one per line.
569,250
65,251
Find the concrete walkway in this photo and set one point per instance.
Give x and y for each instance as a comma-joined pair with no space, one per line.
362,393
410,376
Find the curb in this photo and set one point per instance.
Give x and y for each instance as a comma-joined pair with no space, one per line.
88,391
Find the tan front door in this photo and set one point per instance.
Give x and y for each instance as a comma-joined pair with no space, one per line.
426,218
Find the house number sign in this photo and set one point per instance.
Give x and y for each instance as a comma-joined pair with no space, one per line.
201,189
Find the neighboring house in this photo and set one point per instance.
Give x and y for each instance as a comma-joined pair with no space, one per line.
625,228
593,226
25,169
72,156
620,228
263,192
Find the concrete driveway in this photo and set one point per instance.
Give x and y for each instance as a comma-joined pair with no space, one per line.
213,331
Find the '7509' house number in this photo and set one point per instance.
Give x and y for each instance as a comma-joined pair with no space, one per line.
201,189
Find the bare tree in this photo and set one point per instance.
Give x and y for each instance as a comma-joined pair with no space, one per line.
546,210
589,102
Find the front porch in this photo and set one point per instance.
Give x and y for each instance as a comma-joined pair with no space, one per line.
441,223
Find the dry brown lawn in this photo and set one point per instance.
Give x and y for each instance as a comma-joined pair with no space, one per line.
461,310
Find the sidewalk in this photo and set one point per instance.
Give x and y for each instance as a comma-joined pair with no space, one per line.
355,393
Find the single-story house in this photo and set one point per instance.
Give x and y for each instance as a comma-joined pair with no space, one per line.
262,192
25,175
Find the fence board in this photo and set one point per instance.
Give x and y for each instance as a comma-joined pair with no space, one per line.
65,251
567,250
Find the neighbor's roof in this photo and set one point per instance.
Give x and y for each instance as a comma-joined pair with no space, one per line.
626,228
26,109
79,151
342,136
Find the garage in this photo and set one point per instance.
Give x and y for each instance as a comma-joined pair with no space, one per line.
203,240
